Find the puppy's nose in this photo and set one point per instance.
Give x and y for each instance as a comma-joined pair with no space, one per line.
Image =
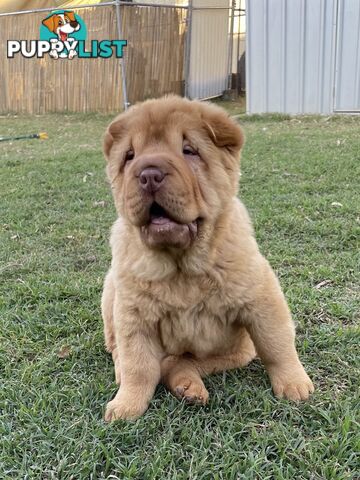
74,24
151,178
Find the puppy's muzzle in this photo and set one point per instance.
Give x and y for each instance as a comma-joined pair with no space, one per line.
151,178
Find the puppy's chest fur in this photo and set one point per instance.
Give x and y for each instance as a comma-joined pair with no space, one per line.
197,330
195,317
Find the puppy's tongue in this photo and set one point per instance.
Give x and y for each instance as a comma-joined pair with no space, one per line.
162,231
167,221
63,36
161,220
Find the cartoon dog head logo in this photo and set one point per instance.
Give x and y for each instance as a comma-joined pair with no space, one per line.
62,24
66,27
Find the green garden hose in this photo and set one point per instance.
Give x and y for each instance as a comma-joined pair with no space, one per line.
41,136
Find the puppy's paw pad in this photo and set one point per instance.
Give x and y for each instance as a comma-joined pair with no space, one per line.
191,391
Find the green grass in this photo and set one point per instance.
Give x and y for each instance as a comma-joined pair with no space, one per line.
56,211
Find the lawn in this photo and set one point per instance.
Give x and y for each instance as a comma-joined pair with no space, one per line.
300,181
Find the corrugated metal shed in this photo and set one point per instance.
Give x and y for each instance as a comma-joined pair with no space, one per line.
303,56
347,78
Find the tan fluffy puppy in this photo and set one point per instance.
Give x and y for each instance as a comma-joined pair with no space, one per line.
188,292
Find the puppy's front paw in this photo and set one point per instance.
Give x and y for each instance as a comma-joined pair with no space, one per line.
119,409
295,386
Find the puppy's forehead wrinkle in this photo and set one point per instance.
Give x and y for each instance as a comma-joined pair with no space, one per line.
162,124
152,137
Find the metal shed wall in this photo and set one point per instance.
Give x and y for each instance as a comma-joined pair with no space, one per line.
291,50
347,66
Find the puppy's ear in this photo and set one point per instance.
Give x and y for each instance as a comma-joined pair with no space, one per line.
107,143
50,23
223,130
115,131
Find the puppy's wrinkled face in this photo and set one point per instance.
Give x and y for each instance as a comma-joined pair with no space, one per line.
173,165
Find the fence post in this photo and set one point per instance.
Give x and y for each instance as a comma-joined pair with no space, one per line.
122,60
231,43
188,48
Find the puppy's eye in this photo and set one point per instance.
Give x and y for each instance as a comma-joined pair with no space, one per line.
129,155
188,150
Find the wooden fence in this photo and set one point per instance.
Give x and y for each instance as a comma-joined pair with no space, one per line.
153,58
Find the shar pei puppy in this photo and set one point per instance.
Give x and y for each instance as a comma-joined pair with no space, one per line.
188,293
